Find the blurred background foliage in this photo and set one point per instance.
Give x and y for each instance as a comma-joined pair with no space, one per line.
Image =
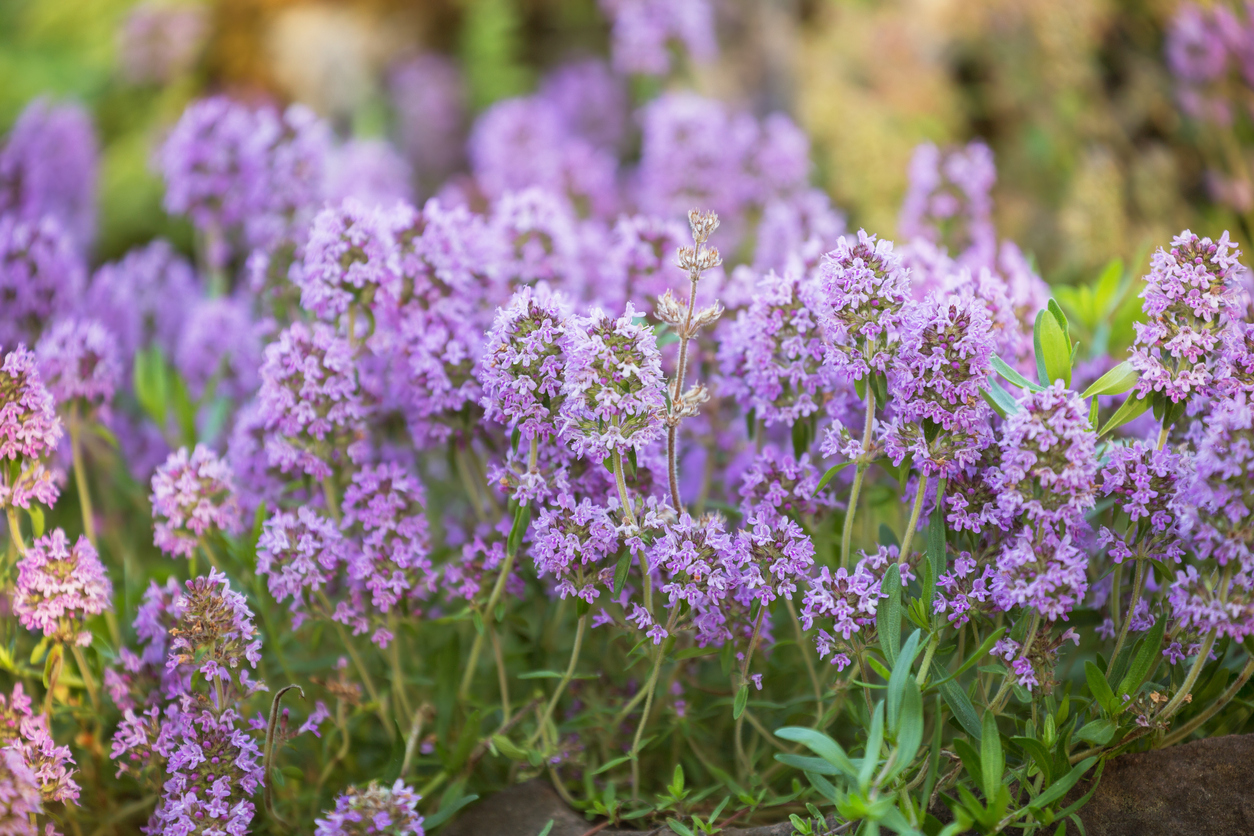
1095,160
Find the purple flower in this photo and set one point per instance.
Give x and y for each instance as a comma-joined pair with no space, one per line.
430,101
643,30
1143,480
192,498
385,506
1048,470
522,365
962,590
1190,294
591,99
524,142
866,288
774,360
949,201
942,363
299,553
368,170
849,599
78,360
773,553
613,386
48,167
214,633
795,231
1216,497
20,801
1195,46
374,810
29,426
571,542
48,766
59,586
351,256
776,484
1200,604
41,276
143,299
539,240
220,345
158,43
640,263
310,400
1046,574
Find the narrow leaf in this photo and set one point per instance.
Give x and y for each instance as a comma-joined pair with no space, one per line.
979,654
888,617
831,471
820,744
992,758
1115,382
1002,402
1131,409
742,697
1009,373
960,704
1145,657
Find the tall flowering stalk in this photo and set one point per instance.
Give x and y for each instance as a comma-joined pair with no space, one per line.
687,322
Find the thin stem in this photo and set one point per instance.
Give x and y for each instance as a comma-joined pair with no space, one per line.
332,499
681,368
1189,681
15,530
398,671
80,476
411,740
1214,708
1162,435
927,659
502,676
564,681
1138,585
805,656
846,536
620,479
468,484
744,683
89,681
648,707
908,535
476,648
360,665
533,455
1116,596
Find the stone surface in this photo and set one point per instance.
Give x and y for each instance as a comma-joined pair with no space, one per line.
1203,788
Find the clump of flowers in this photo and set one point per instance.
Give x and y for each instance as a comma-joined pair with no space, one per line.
1189,296
1145,481
299,554
193,497
41,276
29,432
373,810
50,767
1217,495
351,256
523,363
613,388
643,31
849,599
78,361
573,539
867,288
949,200
779,484
59,586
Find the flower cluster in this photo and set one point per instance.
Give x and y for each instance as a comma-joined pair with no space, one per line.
1144,480
950,201
44,770
779,484
374,810
1190,295
59,586
522,365
41,275
643,31
867,287
29,431
350,256
849,599
573,539
1218,497
193,497
299,553
78,362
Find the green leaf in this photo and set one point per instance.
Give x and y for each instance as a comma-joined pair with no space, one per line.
875,740
1098,732
621,569
1100,688
1145,658
1002,402
900,675
807,764
608,765
910,732
1040,755
522,519
53,664
1053,346
970,759
679,827
992,758
980,653
547,829
888,616
1008,372
960,704
184,408
831,471
447,810
936,544
1059,788
556,675
695,652
1132,408
152,384
742,697
820,744
36,515
509,748
1115,382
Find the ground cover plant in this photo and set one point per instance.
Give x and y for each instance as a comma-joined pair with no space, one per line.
620,461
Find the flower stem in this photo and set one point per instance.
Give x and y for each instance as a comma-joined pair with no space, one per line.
564,681
332,499
502,675
846,536
89,681
398,671
15,530
80,476
366,679
1003,693
648,707
744,683
805,656
1214,708
1138,585
681,368
472,661
1203,654
908,535
620,480
1162,435
927,659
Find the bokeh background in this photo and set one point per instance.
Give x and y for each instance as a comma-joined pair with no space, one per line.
1095,157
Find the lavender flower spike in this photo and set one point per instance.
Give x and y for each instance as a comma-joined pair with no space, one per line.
522,366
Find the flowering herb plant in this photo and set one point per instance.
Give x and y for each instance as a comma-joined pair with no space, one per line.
381,506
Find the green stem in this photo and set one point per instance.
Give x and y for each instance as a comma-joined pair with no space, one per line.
648,706
360,665
502,675
1138,585
846,536
80,477
908,535
1162,435
89,681
1214,708
15,531
1189,681
809,663
927,659
332,499
398,672
563,682
744,683
620,479
476,648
